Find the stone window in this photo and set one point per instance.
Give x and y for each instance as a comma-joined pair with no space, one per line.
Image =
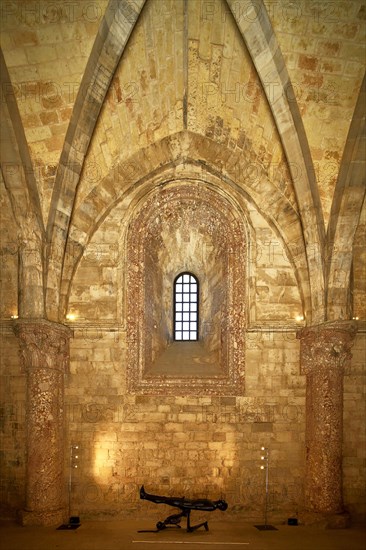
186,307
186,229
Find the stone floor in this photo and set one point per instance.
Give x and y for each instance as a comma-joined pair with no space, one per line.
124,535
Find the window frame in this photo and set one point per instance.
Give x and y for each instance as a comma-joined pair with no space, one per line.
175,302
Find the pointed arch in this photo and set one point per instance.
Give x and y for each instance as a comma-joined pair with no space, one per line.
16,162
115,29
128,181
345,214
20,183
258,35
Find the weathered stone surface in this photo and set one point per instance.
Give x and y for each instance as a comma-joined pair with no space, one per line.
44,350
186,228
264,111
325,352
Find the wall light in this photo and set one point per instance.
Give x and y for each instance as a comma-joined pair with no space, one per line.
299,318
71,316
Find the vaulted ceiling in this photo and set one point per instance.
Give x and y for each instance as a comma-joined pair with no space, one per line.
270,95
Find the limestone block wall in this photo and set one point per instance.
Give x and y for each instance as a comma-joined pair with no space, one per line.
185,67
12,424
8,257
323,47
201,446
359,268
192,445
198,445
354,435
46,49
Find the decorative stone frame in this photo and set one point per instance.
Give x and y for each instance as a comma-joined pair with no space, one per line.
220,215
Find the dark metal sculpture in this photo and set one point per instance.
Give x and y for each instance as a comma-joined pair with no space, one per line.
186,506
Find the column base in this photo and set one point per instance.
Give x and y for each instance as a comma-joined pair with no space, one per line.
43,518
341,520
338,521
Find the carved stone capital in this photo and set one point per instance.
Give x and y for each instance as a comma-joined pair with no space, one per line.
326,346
43,344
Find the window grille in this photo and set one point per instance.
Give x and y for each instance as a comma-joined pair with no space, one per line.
186,307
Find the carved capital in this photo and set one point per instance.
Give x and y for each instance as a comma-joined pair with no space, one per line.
326,346
43,344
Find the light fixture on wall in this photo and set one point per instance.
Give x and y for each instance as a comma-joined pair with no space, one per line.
71,316
265,466
13,316
299,318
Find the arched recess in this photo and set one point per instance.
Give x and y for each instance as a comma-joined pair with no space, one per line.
186,155
345,214
259,37
185,226
21,186
114,32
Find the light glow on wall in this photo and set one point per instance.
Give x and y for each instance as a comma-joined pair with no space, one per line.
103,463
71,316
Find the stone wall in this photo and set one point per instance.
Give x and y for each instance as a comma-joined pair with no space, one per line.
189,96
13,418
202,445
185,444
181,445
9,257
199,446
354,434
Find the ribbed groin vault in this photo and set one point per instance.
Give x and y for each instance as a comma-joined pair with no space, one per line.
144,141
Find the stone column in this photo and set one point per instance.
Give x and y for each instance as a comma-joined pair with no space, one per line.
324,353
44,348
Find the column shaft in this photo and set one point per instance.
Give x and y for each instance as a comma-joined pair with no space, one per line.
325,351
45,356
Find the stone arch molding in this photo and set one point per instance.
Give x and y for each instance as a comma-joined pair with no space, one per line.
186,154
208,237
258,34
